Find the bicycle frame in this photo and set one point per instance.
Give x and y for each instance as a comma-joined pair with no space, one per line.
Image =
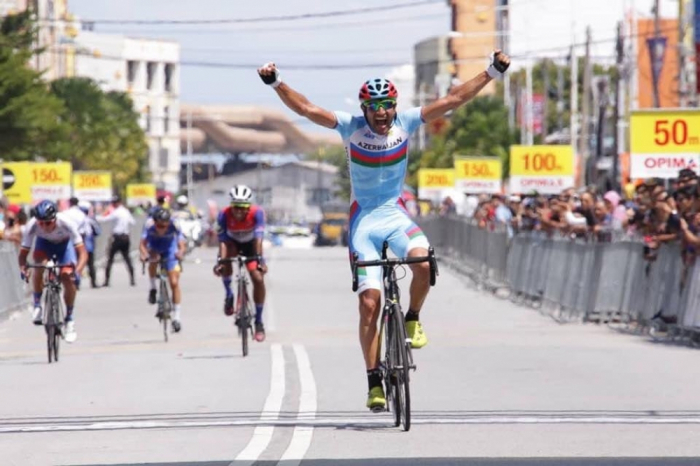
163,302
398,359
54,316
242,309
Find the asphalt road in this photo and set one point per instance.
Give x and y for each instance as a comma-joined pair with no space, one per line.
496,385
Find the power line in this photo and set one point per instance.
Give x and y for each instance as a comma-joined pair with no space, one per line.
267,30
261,19
366,65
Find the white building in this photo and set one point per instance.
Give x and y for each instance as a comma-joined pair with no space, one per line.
149,71
56,29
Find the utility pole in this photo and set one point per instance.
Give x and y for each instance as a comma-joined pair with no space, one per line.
620,50
683,27
586,108
190,184
514,102
545,102
528,103
573,106
654,54
560,98
602,86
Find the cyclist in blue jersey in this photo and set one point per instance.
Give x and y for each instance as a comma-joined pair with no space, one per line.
376,145
163,239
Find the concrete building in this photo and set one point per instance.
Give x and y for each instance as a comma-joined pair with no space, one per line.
57,28
479,27
290,192
433,68
149,71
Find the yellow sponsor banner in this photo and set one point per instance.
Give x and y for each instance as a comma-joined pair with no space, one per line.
475,175
541,160
546,168
664,142
434,182
92,185
480,168
140,194
436,178
29,182
665,132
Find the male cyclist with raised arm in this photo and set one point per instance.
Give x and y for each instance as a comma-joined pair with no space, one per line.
56,235
241,227
164,240
376,145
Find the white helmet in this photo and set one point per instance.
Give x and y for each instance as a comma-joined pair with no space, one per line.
182,200
240,194
84,206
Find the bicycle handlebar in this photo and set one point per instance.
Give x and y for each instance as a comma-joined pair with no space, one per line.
244,259
162,260
50,265
386,262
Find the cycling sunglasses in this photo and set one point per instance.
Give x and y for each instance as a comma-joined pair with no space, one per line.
241,206
375,105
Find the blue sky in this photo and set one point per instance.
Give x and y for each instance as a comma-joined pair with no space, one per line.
543,27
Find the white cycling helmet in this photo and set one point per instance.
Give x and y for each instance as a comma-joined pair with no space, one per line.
240,194
182,200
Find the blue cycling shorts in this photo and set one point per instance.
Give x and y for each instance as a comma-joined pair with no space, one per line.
369,229
64,251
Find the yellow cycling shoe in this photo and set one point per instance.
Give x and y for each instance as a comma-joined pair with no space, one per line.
376,401
414,331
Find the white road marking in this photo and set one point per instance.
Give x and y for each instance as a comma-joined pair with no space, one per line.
271,410
301,438
335,422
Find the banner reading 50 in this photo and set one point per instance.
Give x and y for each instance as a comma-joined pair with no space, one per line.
662,132
541,160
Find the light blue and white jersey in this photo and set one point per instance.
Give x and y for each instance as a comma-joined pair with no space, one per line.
377,163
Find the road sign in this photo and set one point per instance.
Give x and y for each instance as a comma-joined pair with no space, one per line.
546,169
664,142
475,175
92,185
140,194
8,178
433,183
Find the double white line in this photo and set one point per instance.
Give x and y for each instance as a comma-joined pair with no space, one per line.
301,438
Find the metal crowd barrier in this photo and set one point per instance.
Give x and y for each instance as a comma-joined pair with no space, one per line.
13,291
573,279
479,253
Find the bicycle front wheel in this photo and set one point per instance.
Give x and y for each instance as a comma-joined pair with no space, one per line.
402,367
52,323
244,320
165,308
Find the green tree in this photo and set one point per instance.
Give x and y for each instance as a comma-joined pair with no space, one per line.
29,123
105,134
479,128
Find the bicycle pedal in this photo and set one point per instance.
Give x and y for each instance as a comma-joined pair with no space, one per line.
378,409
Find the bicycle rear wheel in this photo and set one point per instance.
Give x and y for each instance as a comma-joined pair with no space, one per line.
402,367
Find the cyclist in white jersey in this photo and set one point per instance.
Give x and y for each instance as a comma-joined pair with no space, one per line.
54,234
376,145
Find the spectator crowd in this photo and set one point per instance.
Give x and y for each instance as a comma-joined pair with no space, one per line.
652,210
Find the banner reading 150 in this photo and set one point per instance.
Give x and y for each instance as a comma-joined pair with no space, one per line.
546,169
27,182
